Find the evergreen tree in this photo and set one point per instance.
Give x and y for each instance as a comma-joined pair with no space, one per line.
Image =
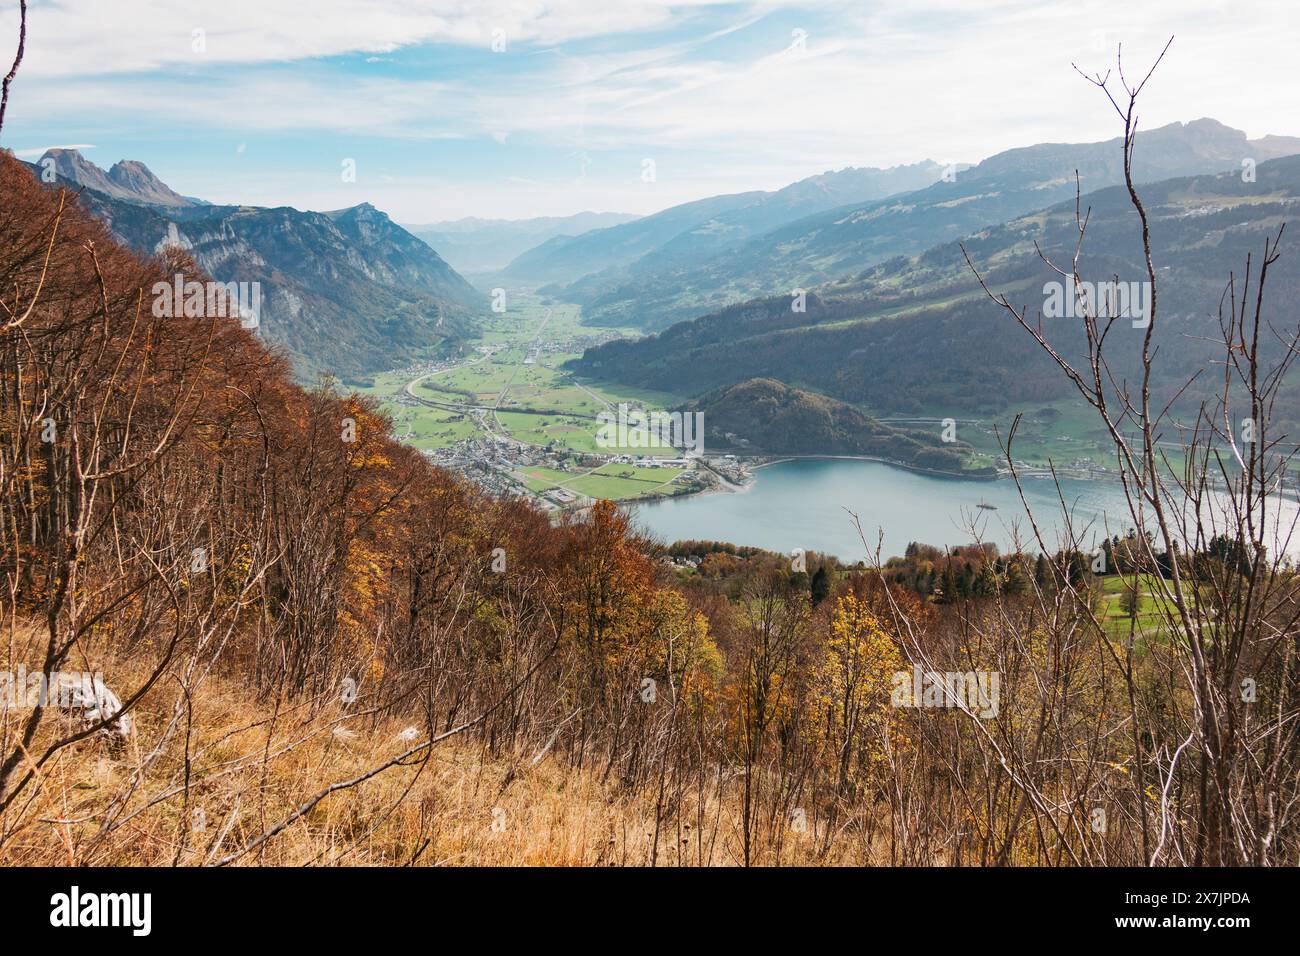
1042,574
949,584
820,586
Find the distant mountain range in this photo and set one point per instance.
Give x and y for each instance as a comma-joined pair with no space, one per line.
348,292
894,321
917,334
477,246
685,233
817,247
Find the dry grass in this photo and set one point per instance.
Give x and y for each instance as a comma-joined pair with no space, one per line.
250,768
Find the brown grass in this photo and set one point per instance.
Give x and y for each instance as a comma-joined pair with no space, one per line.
250,768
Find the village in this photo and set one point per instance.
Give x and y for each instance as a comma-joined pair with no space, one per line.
508,417
558,478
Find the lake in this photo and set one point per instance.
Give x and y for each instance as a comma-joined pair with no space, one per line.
802,504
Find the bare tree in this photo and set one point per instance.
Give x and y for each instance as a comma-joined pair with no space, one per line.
18,59
1217,753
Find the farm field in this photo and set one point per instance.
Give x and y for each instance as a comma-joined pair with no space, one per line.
429,428
1148,622
576,434
1056,432
616,481
524,372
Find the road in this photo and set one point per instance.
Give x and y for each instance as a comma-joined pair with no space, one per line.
410,386
532,347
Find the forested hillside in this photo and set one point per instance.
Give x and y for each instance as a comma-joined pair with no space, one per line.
762,416
919,334
347,293
821,247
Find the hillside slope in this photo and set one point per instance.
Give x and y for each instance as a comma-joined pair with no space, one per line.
347,293
767,417
821,248
918,334
478,246
687,232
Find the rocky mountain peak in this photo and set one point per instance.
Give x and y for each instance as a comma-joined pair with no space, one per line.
129,179
135,177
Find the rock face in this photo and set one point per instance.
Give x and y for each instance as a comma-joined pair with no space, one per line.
347,293
128,180
135,179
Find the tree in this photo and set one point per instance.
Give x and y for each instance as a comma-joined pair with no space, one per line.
856,680
820,586
1232,622
1130,599
18,59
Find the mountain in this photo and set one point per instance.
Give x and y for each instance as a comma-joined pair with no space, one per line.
477,246
565,258
765,416
918,335
820,248
348,292
129,179
827,191
686,232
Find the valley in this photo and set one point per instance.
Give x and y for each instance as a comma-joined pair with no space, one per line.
514,417
513,420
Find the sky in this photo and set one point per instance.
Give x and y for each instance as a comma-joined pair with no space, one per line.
442,109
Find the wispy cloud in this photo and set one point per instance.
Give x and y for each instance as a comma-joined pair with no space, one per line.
35,151
725,96
70,38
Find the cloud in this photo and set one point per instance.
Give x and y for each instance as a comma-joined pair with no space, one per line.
71,38
713,92
41,150
871,81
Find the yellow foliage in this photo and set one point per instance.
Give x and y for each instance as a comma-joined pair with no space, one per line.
855,685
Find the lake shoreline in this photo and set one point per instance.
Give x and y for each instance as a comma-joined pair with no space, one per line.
810,503
728,487
918,469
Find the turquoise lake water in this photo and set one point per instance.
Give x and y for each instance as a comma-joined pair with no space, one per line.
806,503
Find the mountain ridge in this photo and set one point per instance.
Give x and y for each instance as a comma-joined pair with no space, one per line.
346,292
917,335
685,231
128,179
829,245
474,246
